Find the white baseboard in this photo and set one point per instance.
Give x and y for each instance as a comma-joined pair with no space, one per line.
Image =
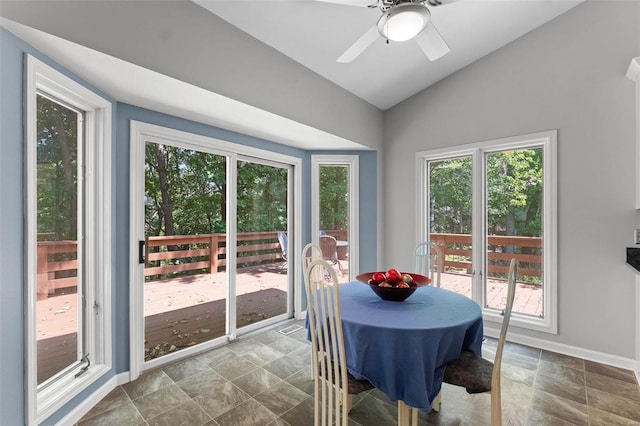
83,408
588,354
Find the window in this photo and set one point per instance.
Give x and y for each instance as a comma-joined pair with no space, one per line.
68,233
334,203
486,203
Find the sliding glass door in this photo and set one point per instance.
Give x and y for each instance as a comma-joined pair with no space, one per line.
213,254
487,203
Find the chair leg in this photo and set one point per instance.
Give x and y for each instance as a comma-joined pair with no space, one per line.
437,402
403,413
349,402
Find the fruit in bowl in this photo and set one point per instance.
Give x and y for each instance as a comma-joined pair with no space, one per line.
393,285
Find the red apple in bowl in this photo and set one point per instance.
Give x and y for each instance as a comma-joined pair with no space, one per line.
377,278
393,276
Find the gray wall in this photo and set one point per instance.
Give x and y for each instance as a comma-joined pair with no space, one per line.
568,75
12,352
202,49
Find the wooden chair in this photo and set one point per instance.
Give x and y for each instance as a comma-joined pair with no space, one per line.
333,385
310,252
477,374
329,248
429,261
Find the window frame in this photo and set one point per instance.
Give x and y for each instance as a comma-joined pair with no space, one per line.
548,141
352,162
42,401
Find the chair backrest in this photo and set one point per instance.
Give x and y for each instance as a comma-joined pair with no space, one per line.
329,247
496,399
283,240
429,261
327,344
310,252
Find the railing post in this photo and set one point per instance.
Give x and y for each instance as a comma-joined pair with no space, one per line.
213,254
42,271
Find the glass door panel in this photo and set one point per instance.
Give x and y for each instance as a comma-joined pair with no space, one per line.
514,193
185,290
334,217
262,271
59,308
450,219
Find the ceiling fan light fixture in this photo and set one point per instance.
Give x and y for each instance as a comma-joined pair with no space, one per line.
404,21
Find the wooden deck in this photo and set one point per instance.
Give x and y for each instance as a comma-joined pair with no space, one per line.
187,311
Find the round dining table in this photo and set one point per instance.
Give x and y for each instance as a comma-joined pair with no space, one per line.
402,348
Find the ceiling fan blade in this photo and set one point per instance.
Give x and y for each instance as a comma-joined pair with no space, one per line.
435,3
432,43
360,45
361,3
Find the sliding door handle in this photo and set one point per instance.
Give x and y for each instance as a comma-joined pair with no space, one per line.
141,258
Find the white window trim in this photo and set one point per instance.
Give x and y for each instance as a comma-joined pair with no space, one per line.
40,404
548,140
352,161
141,132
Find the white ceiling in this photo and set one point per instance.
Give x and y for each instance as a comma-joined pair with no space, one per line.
315,34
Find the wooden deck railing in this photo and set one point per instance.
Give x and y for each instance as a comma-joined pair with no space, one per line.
57,264
456,249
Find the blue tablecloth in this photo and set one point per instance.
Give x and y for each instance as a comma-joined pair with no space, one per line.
402,347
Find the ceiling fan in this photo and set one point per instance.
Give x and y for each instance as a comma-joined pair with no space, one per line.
401,20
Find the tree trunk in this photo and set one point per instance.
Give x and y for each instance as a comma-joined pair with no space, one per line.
166,205
69,182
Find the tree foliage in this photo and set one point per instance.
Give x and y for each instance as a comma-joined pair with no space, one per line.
334,197
514,193
57,172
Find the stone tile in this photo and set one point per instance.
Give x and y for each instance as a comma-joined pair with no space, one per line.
263,355
256,381
250,412
539,418
610,371
286,345
561,372
201,383
461,408
221,399
123,415
147,383
284,367
373,411
114,399
620,406
562,408
160,401
183,369
519,360
613,386
599,417
562,388
564,360
517,374
301,414
216,356
300,335
522,350
281,397
234,367
268,337
302,355
186,414
302,380
245,346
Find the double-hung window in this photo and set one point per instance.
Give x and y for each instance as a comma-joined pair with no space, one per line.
486,203
67,238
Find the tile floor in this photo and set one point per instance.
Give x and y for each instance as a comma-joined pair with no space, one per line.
264,379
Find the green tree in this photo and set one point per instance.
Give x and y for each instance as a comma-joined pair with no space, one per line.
334,197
